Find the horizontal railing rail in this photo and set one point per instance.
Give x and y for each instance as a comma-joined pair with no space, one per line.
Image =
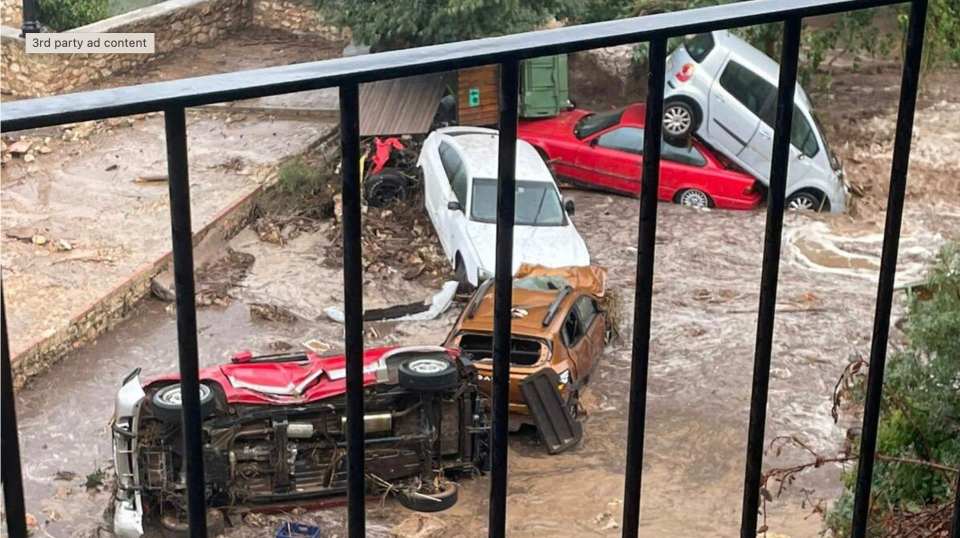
205,90
173,97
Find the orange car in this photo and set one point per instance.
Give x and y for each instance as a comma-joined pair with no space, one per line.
558,322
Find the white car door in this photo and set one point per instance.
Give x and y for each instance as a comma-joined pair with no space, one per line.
738,99
451,222
434,179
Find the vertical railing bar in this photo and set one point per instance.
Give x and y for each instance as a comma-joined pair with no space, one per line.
182,237
955,525
503,293
780,161
888,264
643,294
12,475
353,305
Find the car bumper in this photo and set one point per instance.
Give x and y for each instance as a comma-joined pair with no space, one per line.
128,507
838,197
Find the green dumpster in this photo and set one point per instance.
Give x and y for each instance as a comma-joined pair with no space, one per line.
544,89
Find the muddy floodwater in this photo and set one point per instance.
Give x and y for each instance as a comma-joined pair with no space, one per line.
705,298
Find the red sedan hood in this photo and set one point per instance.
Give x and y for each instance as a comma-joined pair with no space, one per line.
561,125
283,383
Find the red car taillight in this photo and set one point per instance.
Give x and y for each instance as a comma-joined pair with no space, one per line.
752,188
685,72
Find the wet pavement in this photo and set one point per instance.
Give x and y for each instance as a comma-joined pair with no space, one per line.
89,196
706,285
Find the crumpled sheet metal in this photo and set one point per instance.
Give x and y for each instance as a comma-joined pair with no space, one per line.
592,278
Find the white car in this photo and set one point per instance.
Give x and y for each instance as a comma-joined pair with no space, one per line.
459,167
725,90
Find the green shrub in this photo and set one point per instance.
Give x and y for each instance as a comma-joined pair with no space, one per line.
299,178
63,15
921,407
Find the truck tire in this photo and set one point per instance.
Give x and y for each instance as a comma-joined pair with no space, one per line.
167,402
428,373
430,502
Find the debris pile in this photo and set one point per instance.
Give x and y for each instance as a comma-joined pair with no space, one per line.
214,280
396,239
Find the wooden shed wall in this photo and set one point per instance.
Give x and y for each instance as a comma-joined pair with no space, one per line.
485,78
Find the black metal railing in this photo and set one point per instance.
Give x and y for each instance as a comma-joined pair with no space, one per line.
172,98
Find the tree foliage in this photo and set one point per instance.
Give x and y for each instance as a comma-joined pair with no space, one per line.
66,14
921,408
389,24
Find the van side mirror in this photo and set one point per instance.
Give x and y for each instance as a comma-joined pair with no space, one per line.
569,207
453,205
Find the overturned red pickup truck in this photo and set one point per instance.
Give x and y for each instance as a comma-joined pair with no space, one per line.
274,433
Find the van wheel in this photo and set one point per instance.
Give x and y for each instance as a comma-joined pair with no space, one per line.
679,120
806,201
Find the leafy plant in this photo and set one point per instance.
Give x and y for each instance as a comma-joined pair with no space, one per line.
298,177
388,24
66,14
919,432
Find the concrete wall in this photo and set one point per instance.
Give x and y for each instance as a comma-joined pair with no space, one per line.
176,23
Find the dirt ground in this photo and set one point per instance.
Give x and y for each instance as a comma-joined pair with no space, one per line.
704,311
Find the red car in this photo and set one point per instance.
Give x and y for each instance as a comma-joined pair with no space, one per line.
605,150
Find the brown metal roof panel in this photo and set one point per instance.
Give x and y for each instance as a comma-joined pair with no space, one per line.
400,106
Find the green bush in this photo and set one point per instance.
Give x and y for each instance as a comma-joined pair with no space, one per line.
920,417
299,178
63,15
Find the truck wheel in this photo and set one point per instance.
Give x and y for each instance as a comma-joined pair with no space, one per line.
679,121
429,502
428,373
168,401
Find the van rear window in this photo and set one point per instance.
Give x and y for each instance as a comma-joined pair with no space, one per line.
699,46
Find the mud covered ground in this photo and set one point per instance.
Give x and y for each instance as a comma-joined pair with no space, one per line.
705,298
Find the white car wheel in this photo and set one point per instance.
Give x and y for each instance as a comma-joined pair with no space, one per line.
803,201
678,119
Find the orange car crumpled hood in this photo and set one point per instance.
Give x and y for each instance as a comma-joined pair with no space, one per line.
590,278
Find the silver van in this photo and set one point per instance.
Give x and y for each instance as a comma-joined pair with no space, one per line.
725,90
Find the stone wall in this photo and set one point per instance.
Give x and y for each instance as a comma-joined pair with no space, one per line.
11,13
176,23
296,16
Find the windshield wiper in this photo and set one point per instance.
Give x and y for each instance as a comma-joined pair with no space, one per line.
536,218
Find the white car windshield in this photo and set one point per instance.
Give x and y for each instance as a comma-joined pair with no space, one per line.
537,203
